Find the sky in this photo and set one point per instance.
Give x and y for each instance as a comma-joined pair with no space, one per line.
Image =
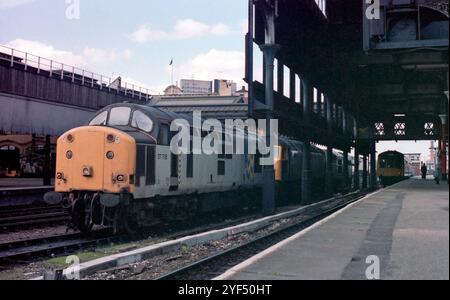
137,39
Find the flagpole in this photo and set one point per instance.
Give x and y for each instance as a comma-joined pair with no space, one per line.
172,72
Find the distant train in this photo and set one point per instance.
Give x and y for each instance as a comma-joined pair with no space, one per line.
393,167
119,171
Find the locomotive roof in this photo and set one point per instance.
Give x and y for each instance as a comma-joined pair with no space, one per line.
392,153
157,114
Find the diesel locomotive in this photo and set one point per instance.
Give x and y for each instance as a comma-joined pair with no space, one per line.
393,167
119,171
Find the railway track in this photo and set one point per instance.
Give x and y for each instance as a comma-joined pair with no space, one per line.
22,196
23,208
216,264
26,210
29,216
12,253
31,249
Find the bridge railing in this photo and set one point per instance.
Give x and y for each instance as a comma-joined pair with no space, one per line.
47,67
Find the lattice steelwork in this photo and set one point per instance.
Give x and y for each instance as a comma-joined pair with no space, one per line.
429,129
400,129
379,129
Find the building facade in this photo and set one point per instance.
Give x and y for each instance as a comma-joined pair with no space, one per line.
196,87
415,160
24,155
224,87
173,90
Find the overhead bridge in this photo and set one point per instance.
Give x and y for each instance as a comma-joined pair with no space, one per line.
45,97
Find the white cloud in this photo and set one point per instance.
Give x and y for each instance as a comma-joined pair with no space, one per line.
89,58
244,26
4,4
146,33
153,90
183,29
220,29
100,56
215,64
49,52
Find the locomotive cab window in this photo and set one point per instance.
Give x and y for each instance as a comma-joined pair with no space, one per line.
141,121
119,116
99,120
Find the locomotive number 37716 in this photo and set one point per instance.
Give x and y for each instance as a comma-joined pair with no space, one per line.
162,156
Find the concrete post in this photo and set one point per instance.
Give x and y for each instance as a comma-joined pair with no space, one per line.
306,172
269,51
365,173
280,77
249,60
329,186
292,91
323,112
345,167
356,183
345,154
373,166
264,70
318,108
301,96
329,172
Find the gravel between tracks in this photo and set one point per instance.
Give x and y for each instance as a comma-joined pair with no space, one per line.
159,265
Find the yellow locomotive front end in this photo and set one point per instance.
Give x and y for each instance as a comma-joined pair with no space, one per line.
95,174
95,159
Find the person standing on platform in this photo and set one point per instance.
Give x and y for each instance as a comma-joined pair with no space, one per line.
437,174
424,171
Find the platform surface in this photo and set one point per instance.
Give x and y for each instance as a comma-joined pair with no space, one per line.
17,183
406,226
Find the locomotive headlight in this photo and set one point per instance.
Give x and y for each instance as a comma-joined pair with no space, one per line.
60,176
69,154
121,178
111,138
110,155
70,138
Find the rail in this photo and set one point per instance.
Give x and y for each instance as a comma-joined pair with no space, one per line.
54,69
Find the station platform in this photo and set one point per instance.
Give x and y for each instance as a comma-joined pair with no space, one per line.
406,226
22,191
11,183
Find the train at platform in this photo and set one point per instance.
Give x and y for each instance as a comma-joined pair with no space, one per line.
393,167
119,171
